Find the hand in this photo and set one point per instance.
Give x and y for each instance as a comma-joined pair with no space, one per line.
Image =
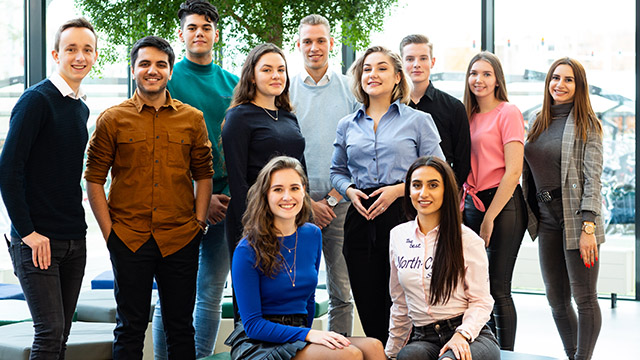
459,345
218,208
388,194
355,195
588,249
322,213
486,229
40,250
329,339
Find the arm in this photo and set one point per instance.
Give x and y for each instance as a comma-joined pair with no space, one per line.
399,322
428,140
100,208
203,198
462,145
591,202
311,302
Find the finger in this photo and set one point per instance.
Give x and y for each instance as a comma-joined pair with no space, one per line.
332,213
34,256
595,252
377,192
361,194
47,254
444,349
456,352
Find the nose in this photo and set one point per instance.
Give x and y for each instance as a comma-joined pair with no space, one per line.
79,56
286,195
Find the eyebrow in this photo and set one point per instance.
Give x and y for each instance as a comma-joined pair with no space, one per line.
379,63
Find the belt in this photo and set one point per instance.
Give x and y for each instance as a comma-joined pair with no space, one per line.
299,320
546,196
439,326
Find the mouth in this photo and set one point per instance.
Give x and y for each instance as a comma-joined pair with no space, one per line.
287,206
425,202
374,83
79,67
152,80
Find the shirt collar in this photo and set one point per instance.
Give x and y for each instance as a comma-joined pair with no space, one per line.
394,105
65,89
418,232
139,104
307,79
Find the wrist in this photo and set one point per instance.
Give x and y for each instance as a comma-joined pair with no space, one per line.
588,227
465,334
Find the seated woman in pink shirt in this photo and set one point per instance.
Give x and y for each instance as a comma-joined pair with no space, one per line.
493,204
438,285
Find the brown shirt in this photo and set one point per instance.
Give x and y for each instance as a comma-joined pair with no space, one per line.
153,157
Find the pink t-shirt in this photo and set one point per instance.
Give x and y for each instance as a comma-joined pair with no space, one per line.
489,133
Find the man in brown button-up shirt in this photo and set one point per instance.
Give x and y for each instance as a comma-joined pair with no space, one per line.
155,147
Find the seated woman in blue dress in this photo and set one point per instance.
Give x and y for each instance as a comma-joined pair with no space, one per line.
275,273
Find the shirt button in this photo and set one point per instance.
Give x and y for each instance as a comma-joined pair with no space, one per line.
130,140
375,179
575,186
157,161
374,159
437,327
154,209
157,136
156,185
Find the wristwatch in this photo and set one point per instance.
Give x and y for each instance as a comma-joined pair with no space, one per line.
588,227
331,201
465,334
203,225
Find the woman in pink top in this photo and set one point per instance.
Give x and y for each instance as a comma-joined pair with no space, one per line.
438,280
493,203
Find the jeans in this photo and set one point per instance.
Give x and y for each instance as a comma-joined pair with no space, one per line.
426,342
51,294
175,275
508,230
338,286
212,275
564,275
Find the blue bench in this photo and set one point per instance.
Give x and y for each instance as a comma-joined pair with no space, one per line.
11,292
510,355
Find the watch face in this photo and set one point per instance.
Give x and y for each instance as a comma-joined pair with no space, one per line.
332,201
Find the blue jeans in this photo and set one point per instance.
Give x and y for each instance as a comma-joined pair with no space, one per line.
51,294
212,275
338,286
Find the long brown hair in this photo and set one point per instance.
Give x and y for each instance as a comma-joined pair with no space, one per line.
401,91
259,227
500,92
448,261
245,91
585,118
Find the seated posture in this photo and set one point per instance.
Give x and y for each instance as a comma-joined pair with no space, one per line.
439,274
275,273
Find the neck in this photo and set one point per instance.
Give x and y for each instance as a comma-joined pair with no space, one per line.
316,75
153,99
200,59
418,91
267,102
285,227
75,86
487,103
378,106
428,222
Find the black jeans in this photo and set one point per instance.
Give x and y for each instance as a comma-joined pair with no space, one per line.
564,275
426,342
366,252
51,294
508,230
176,278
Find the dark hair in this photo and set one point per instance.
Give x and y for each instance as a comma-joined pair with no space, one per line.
585,118
199,7
156,42
448,261
245,91
73,23
500,92
416,39
258,219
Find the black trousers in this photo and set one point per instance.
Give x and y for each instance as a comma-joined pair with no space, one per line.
508,230
366,251
176,278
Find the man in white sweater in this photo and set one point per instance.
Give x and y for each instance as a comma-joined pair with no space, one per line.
321,97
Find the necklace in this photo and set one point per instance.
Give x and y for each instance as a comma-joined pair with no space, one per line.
292,268
271,116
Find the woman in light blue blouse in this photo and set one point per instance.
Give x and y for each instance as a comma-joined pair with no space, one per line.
374,147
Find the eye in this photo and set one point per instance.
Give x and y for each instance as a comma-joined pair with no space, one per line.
416,185
295,188
433,185
366,69
568,80
321,41
281,70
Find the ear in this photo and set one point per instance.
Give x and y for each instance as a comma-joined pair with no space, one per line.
433,61
180,35
298,43
331,43
55,56
217,36
398,78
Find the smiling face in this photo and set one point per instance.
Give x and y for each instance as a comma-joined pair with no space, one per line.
77,54
418,62
562,86
270,76
378,76
482,79
285,197
426,192
198,35
315,44
151,71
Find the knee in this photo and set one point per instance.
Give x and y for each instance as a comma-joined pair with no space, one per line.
410,353
351,353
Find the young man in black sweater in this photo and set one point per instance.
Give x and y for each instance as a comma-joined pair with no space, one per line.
40,171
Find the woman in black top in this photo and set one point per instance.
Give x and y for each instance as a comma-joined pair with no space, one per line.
259,125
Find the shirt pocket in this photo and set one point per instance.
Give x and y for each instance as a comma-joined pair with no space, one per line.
132,149
179,152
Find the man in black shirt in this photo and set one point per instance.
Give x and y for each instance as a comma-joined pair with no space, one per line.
448,112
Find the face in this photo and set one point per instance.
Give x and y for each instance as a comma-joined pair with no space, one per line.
378,76
315,44
151,71
198,35
482,79
77,54
270,75
427,191
417,62
286,195
562,86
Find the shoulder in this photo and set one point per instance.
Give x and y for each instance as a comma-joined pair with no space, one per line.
244,251
186,109
470,239
403,230
226,76
240,110
114,110
309,229
509,110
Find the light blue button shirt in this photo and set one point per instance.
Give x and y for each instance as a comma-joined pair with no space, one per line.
370,158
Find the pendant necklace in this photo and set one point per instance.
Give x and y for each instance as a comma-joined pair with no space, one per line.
292,268
271,116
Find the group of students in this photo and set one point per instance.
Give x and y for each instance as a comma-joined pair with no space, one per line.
265,184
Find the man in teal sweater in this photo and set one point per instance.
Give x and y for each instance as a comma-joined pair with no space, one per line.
199,82
321,97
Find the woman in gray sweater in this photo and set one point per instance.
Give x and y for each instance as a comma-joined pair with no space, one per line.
561,181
